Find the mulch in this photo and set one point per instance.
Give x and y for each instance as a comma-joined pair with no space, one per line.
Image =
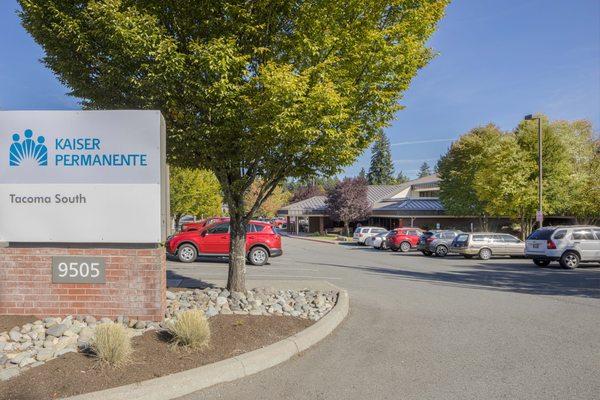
154,356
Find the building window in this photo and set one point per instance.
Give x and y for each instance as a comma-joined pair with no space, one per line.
429,193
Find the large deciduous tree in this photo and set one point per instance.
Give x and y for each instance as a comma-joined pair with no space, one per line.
264,89
381,170
457,169
347,201
278,198
194,191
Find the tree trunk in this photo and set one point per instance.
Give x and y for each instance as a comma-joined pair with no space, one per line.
236,279
347,228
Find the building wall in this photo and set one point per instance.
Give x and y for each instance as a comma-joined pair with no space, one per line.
135,283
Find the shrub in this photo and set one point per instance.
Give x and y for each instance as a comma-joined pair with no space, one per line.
191,329
111,344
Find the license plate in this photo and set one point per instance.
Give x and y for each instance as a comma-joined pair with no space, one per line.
535,245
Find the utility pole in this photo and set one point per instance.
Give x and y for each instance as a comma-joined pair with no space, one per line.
540,213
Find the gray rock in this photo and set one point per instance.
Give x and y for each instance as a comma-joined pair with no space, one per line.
6,374
132,323
65,351
26,361
170,295
90,320
105,320
21,356
3,359
224,293
211,312
14,335
44,354
57,330
140,325
221,301
37,364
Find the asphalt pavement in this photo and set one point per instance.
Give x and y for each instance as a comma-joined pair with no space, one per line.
428,328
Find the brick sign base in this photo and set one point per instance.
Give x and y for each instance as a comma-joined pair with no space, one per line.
135,282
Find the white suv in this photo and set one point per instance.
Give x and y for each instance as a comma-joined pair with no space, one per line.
362,233
569,245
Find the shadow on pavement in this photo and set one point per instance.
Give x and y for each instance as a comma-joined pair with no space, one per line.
175,279
584,282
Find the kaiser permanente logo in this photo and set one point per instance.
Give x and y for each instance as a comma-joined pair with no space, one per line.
27,148
70,152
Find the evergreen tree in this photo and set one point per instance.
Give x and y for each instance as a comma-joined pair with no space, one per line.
401,178
362,174
381,171
424,170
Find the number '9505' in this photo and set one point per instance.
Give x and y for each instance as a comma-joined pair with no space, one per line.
74,269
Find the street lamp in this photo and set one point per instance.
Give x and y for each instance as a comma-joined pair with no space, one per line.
540,214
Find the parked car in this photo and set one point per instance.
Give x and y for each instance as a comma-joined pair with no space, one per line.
195,226
569,245
404,239
378,241
487,244
262,242
362,233
184,219
436,242
278,222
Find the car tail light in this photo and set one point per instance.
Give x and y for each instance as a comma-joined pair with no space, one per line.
551,245
430,239
360,235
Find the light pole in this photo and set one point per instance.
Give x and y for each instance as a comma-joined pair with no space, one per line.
540,214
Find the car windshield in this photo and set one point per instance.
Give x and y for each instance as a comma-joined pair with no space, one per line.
541,234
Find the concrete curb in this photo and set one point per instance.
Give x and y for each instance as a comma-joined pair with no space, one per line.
186,382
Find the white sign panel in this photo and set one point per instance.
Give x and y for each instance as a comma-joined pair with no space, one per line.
82,176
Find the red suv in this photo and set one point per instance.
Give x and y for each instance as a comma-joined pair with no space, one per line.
404,239
213,240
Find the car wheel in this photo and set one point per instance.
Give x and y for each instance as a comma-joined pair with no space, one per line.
569,260
441,251
258,256
540,262
187,253
468,256
394,248
485,254
404,247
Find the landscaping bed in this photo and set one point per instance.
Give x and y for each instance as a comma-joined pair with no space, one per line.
154,356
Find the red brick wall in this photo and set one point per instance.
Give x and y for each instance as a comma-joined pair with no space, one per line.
135,283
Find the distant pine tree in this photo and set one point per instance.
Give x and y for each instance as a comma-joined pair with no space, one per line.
381,171
362,174
424,170
401,178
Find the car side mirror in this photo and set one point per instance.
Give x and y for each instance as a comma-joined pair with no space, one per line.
203,233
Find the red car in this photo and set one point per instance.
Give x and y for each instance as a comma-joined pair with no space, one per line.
403,239
213,240
195,226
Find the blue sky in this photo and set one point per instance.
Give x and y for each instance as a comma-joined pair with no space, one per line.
498,60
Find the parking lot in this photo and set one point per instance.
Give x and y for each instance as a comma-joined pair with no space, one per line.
426,327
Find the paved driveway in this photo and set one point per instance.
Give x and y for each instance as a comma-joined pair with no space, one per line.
430,328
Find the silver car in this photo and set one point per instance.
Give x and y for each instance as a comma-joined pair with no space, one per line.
569,245
487,244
